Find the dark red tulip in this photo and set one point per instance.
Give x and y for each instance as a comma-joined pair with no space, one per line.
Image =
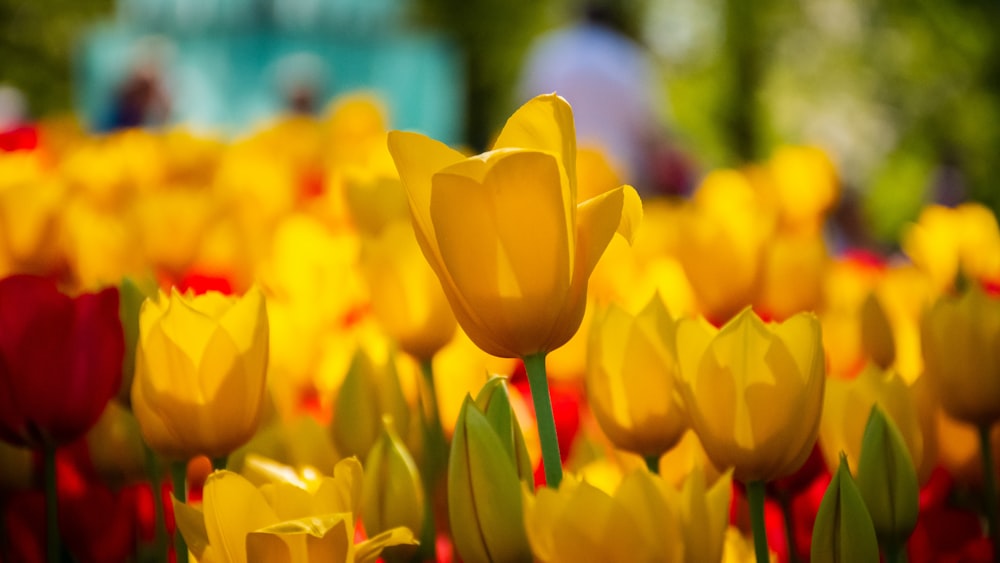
60,360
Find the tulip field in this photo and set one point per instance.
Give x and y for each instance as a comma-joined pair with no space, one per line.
329,340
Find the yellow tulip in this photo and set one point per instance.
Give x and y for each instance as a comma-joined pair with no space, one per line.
754,391
579,522
845,413
961,343
805,186
723,234
504,233
792,274
704,514
947,241
632,369
30,204
406,296
281,520
200,372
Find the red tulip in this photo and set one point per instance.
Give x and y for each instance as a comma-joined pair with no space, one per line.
60,360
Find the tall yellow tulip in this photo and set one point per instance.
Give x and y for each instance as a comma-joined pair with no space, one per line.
200,372
754,391
754,394
510,245
503,230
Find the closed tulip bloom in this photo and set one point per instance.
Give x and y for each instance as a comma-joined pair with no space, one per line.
392,494
843,531
631,379
754,391
641,521
503,230
961,345
60,360
487,465
200,372
887,481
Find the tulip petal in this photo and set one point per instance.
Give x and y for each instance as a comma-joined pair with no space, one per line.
191,522
233,508
417,158
369,550
599,218
545,124
314,538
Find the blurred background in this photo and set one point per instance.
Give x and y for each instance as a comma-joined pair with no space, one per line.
904,96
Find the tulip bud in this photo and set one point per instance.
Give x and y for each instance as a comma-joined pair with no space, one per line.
484,490
116,447
887,480
843,530
367,393
876,332
494,400
393,494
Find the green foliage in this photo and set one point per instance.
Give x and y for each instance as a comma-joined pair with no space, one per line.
36,47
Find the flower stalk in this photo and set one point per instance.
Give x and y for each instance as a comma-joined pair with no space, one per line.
755,495
990,483
552,462
178,474
52,540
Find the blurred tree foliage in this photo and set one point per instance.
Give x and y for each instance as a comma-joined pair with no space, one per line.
905,95
36,45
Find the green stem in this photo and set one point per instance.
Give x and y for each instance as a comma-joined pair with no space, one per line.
755,494
535,366
159,515
990,482
895,552
653,463
52,539
220,463
431,406
787,516
178,473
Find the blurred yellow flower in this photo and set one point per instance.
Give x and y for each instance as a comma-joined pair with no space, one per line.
947,241
754,391
805,186
31,201
641,521
792,274
200,372
723,232
961,343
631,379
406,296
503,230
369,391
